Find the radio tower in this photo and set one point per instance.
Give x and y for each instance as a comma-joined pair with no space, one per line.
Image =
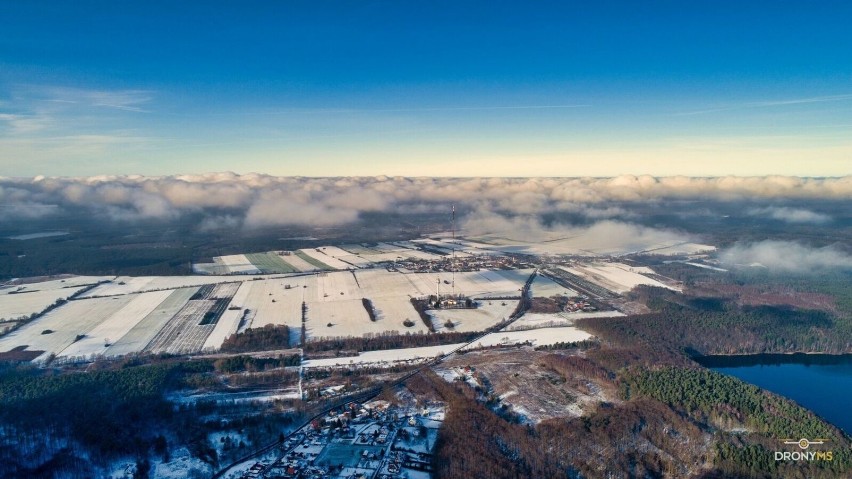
453,267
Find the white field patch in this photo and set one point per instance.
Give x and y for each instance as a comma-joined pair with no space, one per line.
116,326
386,357
286,308
543,320
24,304
355,261
334,251
378,283
144,331
230,319
393,311
356,249
544,287
537,337
65,323
142,284
348,318
239,264
320,256
333,286
617,277
489,313
298,263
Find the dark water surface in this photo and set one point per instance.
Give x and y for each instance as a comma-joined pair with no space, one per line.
821,383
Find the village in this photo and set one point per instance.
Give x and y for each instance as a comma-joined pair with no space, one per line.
373,440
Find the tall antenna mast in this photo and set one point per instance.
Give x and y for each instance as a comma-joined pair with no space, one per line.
454,251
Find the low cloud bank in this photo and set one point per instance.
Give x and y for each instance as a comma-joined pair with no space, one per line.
790,215
787,256
255,200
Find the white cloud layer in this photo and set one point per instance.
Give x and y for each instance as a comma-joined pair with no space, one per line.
787,256
256,200
790,215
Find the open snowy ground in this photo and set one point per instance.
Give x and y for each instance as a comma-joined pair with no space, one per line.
238,263
489,313
544,287
388,356
64,325
116,326
538,337
617,277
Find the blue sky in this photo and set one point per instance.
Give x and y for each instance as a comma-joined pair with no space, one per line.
426,88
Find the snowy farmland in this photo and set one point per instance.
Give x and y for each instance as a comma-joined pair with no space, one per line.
385,357
537,337
489,313
544,287
58,329
617,277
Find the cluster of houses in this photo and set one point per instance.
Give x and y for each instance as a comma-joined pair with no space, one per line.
370,441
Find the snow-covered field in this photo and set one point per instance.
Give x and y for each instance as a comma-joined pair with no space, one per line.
538,337
116,326
238,263
65,323
541,320
22,305
17,301
141,284
544,287
393,311
489,313
387,356
140,335
324,258
616,277
270,302
230,319
298,263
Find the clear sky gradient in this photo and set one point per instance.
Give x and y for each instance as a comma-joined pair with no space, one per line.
426,88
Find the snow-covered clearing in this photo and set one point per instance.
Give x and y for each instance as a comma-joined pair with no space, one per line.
230,319
356,261
387,356
144,331
116,326
323,258
141,284
537,337
348,318
393,311
544,287
616,277
333,286
542,320
65,323
22,305
272,302
184,333
489,313
238,263
298,263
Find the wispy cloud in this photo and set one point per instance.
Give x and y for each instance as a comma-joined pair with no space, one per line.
771,103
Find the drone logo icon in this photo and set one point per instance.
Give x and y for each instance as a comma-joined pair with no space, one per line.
805,443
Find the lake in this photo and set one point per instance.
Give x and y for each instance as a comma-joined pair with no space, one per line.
821,383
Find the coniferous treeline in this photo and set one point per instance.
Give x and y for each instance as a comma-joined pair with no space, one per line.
251,364
267,338
707,326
